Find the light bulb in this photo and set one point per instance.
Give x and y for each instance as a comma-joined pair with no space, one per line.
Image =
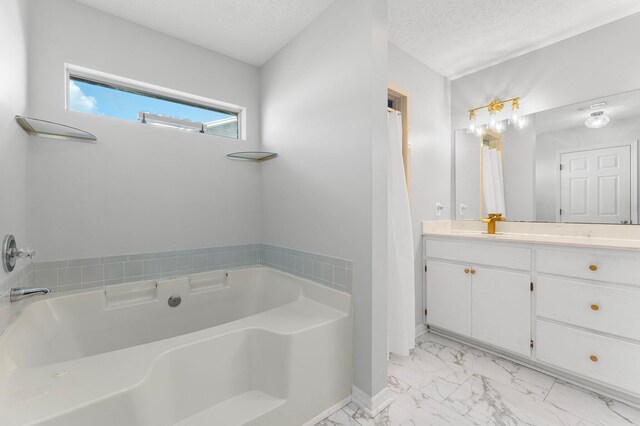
522,122
493,121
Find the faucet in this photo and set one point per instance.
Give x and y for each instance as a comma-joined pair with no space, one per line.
491,221
20,293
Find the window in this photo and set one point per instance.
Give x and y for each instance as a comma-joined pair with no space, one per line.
98,93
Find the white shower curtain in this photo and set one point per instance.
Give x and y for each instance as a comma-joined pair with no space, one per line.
401,278
492,181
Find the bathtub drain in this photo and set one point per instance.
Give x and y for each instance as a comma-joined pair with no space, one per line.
174,300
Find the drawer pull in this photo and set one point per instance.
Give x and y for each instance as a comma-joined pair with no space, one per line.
595,307
466,271
593,358
593,267
473,271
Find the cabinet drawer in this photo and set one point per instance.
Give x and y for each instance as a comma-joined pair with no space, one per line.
615,267
483,254
611,310
615,362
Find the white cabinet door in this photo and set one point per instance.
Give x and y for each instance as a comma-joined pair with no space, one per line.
595,185
449,296
501,308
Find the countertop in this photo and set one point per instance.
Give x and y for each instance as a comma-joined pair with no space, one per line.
621,237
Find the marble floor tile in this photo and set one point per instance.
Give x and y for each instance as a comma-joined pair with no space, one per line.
339,418
487,401
475,361
444,382
594,408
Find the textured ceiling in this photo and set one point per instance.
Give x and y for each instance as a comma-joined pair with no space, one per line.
457,37
249,30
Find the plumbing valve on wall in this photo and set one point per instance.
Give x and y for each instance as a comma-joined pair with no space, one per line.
11,253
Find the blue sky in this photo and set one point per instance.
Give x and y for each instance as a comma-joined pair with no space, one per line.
95,99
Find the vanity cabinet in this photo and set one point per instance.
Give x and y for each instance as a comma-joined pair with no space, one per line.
588,314
490,302
573,311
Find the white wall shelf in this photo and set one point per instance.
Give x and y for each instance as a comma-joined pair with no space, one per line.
256,156
49,129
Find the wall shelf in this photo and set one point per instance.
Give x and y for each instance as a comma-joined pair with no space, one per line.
49,129
256,156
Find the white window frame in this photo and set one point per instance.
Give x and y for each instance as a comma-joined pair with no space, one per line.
99,76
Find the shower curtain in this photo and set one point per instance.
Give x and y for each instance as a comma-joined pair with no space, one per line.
492,181
400,278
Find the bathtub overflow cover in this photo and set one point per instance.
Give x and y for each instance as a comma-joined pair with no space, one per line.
174,300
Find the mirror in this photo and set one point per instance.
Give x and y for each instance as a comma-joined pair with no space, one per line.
573,164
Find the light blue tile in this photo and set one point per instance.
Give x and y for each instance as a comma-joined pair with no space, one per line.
50,265
152,266
317,269
213,259
133,268
114,259
340,276
226,258
168,264
114,281
133,279
113,271
46,277
308,266
84,262
200,260
327,272
92,273
184,263
67,276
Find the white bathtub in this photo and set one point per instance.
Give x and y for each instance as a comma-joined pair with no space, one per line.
244,347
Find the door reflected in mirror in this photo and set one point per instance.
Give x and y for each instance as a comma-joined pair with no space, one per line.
574,164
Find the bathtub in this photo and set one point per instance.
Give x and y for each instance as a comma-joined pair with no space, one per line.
254,346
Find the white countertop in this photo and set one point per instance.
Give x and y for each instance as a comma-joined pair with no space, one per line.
622,237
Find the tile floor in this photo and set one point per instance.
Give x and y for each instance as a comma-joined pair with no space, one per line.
447,383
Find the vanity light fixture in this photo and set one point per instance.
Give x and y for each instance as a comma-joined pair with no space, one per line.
597,120
495,124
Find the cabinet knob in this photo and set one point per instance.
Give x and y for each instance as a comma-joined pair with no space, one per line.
593,358
593,267
595,307
473,271
466,271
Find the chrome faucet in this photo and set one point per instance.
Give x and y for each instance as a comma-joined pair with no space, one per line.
20,293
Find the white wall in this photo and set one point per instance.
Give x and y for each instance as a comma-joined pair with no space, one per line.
140,188
13,140
430,140
324,112
550,143
590,65
519,169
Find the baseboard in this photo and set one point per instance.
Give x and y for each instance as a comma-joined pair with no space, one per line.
420,330
371,405
329,411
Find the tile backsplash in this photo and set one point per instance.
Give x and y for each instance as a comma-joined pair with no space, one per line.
74,275
95,272
331,271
